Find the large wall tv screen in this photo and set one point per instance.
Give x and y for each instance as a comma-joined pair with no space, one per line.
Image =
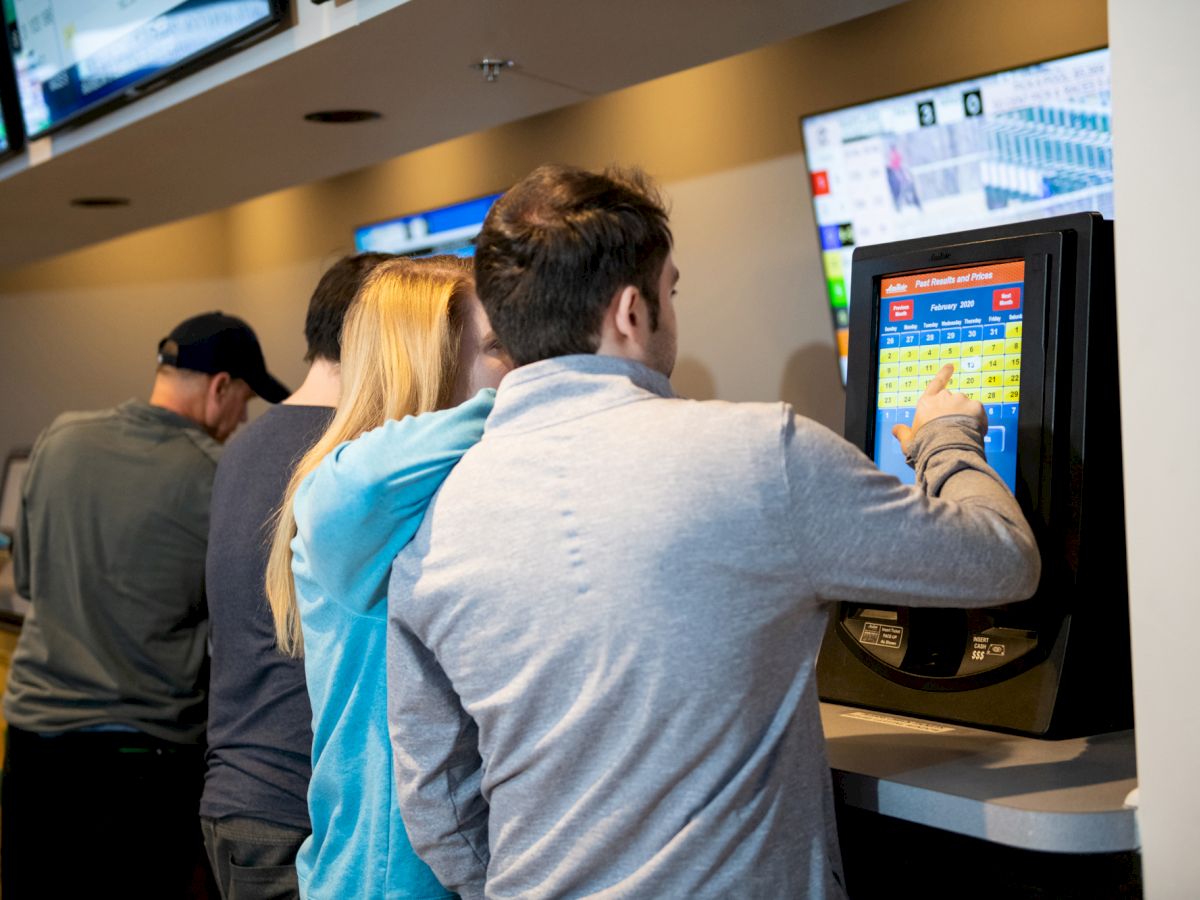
1021,144
75,57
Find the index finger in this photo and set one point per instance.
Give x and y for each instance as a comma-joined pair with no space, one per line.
940,380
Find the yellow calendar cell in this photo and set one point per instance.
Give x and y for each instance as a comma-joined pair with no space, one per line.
834,269
929,367
1012,361
910,384
1012,379
886,400
889,370
993,379
950,351
909,398
928,351
970,364
993,364
972,348
1012,345
909,354
1012,395
1012,330
952,384
993,348
890,355
889,385
967,382
908,369
991,395
974,394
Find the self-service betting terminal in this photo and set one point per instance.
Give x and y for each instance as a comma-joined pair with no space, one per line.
1027,315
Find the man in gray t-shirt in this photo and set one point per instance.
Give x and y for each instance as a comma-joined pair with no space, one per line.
105,700
602,639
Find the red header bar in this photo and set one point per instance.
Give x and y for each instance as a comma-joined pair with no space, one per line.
954,280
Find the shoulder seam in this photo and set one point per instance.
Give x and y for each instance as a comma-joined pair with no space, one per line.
206,445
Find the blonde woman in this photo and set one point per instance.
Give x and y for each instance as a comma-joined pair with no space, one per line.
415,341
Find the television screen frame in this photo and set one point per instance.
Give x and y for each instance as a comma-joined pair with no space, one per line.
830,235
418,245
130,89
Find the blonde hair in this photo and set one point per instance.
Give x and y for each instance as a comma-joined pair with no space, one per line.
400,348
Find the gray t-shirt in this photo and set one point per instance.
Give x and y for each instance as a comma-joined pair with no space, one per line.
110,550
602,639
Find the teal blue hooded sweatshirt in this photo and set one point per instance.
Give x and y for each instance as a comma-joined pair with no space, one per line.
354,513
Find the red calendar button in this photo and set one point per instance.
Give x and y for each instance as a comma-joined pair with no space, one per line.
820,182
900,310
1005,299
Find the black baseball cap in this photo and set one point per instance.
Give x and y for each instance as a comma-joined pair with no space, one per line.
214,342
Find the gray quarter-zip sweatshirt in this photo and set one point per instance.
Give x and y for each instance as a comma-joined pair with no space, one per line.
602,639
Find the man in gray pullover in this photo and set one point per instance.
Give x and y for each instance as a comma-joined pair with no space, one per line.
602,639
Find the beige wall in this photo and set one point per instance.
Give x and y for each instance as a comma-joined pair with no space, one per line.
79,331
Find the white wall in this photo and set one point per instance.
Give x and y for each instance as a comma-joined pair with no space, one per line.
753,315
1156,76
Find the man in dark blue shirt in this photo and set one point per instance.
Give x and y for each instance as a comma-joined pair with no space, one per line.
254,812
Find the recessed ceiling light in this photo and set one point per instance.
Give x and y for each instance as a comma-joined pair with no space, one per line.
100,202
343,116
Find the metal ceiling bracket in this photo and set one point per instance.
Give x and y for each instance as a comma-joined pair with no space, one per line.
491,67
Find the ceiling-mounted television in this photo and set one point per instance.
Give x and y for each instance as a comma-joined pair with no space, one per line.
10,117
447,229
74,59
7,138
1025,143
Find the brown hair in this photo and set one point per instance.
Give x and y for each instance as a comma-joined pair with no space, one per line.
556,248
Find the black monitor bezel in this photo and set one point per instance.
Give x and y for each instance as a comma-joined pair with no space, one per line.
10,109
1040,252
276,11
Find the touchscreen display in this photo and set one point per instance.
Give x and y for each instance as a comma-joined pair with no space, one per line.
970,317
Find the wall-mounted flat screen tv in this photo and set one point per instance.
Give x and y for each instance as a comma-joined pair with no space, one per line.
1022,144
76,58
10,119
448,229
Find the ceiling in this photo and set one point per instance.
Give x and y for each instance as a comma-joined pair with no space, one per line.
237,130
